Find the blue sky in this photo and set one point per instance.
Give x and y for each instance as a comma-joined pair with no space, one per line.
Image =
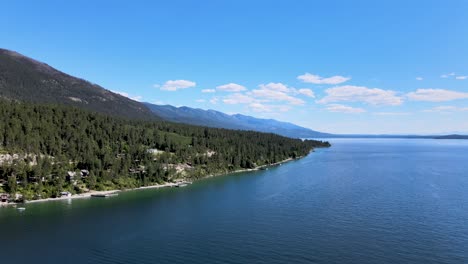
333,66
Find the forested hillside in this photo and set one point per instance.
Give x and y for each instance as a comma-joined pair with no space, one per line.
25,79
41,144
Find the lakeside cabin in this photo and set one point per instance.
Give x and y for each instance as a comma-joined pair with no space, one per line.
4,197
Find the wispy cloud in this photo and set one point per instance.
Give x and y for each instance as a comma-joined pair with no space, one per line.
276,92
275,87
258,107
231,87
214,100
419,78
200,100
454,75
306,92
208,90
446,109
174,85
350,93
238,98
271,92
316,79
135,98
267,97
436,95
391,113
447,75
338,108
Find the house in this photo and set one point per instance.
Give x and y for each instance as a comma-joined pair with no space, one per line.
70,175
4,197
154,151
84,173
65,194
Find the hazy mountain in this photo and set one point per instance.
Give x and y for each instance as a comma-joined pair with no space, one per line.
454,136
25,79
214,118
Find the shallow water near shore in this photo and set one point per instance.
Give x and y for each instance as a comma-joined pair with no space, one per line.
360,201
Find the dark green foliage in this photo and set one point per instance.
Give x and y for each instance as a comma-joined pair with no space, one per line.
55,140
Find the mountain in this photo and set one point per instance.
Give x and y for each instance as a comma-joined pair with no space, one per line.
25,79
212,118
454,136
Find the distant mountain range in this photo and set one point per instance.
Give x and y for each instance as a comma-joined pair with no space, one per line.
25,79
455,136
214,118
28,80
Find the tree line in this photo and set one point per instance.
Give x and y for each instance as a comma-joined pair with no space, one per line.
62,148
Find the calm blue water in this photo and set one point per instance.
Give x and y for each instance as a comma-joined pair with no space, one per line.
361,201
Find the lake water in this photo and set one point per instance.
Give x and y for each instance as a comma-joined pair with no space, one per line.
361,201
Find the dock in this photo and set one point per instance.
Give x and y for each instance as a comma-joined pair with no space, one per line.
182,184
104,195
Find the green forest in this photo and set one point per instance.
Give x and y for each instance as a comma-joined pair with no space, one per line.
47,149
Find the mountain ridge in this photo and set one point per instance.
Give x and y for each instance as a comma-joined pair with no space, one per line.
25,79
213,118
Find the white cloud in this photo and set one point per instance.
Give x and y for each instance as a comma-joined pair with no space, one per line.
231,87
263,98
306,92
208,90
448,75
446,108
273,95
391,113
214,100
200,100
258,107
276,92
436,95
275,87
174,85
338,108
238,98
419,78
316,79
121,93
350,93
271,92
461,77
135,98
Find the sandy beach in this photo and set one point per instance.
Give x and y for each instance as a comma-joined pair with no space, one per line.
91,193
74,196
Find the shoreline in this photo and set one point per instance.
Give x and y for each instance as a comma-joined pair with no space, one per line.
250,170
167,184
91,193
